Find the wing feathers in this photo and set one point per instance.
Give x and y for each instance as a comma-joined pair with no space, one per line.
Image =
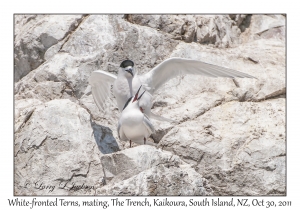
101,82
173,67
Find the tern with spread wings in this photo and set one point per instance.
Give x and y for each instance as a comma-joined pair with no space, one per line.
128,80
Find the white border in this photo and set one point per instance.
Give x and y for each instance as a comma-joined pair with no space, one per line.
153,6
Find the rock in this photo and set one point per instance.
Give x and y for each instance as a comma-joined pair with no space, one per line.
144,170
218,30
181,27
59,77
265,27
56,147
126,163
238,147
23,111
159,181
34,35
225,128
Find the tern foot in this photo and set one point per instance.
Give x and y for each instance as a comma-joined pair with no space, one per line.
144,140
129,143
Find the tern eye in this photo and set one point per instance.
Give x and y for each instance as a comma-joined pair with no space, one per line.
126,63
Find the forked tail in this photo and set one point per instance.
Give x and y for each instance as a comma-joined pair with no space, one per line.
160,118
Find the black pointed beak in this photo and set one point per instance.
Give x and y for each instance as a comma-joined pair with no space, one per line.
137,94
129,71
141,95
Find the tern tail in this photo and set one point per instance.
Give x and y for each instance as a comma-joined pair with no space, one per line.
160,118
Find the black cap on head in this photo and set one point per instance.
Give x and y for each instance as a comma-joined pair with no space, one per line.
126,63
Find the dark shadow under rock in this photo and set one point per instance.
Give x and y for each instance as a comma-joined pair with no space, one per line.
246,23
104,138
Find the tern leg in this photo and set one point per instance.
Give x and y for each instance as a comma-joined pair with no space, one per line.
144,140
129,143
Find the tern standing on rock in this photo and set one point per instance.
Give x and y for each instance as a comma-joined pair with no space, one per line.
133,124
128,81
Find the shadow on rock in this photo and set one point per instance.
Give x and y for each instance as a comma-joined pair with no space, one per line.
104,138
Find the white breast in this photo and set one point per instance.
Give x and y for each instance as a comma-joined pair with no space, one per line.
133,125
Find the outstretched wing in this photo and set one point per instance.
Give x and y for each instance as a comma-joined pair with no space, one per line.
174,67
101,82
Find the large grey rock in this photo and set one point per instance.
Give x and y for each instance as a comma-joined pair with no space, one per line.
161,181
181,27
265,27
127,163
56,147
238,147
35,34
218,30
59,77
145,170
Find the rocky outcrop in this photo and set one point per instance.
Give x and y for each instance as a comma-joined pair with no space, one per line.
229,135
265,27
205,29
35,34
144,170
237,152
55,147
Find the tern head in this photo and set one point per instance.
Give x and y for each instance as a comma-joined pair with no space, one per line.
127,69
